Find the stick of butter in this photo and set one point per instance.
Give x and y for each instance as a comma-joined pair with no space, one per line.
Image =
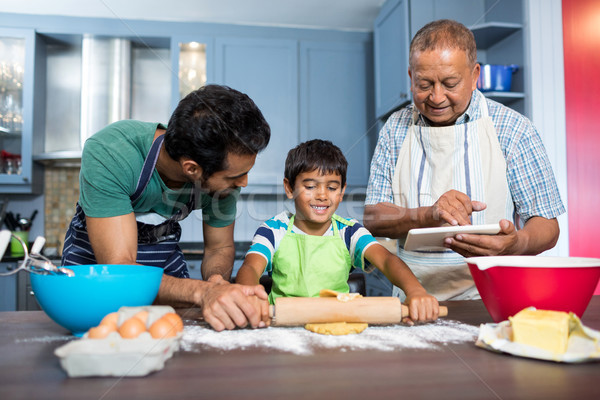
548,330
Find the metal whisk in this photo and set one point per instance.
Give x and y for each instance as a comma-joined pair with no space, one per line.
33,261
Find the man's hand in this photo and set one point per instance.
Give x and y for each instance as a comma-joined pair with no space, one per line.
470,245
539,234
455,208
226,306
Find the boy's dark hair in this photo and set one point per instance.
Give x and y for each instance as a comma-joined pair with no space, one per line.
313,155
213,121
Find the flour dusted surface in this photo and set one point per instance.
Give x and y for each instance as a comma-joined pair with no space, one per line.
300,341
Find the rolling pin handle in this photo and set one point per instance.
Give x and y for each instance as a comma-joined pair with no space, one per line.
443,311
405,311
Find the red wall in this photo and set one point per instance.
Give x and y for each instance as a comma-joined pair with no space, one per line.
581,36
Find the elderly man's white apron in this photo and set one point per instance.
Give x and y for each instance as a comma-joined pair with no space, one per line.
434,160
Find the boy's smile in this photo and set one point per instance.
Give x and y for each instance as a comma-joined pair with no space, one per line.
316,197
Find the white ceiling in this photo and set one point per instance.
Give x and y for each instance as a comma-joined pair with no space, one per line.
356,15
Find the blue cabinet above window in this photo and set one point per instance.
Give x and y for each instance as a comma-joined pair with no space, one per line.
267,71
391,44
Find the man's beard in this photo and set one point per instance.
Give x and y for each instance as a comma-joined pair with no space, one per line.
220,194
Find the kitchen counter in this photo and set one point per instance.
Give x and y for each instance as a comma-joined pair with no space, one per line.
456,371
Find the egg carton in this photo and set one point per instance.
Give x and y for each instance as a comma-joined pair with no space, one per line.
115,356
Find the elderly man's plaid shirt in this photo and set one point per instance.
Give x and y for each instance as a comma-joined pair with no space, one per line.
529,173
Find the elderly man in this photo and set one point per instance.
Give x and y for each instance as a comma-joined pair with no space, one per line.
139,179
454,157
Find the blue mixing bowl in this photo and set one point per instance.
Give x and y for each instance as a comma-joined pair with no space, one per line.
80,302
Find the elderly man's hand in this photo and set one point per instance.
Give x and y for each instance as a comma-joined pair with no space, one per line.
227,306
469,245
455,208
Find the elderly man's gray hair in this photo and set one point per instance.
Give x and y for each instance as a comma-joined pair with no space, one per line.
444,34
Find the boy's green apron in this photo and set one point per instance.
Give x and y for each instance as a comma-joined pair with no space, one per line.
305,264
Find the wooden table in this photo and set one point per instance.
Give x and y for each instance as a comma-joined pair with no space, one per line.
29,370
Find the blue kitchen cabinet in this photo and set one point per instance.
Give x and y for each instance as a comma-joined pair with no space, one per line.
8,287
498,30
397,23
501,43
391,39
266,70
20,111
335,94
500,37
306,90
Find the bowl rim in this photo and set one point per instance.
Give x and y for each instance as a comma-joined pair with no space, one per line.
487,262
83,273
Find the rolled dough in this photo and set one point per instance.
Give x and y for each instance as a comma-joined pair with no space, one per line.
345,297
337,328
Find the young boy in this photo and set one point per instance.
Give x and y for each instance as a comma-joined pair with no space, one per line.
315,249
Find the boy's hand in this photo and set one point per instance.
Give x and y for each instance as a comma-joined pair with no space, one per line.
262,306
421,307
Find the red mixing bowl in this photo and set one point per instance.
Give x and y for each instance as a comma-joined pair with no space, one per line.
508,284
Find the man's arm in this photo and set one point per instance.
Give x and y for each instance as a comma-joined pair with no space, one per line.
224,306
390,220
219,251
113,239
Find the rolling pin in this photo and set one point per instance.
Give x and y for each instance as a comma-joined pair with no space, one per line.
298,311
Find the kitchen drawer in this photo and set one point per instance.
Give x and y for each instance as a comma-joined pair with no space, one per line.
8,287
25,298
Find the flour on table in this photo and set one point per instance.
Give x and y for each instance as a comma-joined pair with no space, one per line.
300,341
46,339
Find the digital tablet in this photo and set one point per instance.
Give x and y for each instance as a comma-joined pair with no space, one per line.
433,238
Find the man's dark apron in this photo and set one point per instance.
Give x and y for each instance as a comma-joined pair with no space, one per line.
157,244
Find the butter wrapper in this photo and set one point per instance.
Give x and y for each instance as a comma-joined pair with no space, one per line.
583,344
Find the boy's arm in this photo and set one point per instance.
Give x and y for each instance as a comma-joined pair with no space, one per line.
253,267
249,274
421,305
